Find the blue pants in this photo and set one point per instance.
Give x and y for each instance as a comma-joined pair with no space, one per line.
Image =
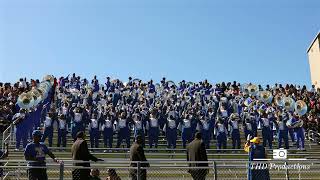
206,137
123,134
108,137
48,133
267,136
141,133
186,136
222,140
171,138
153,137
76,128
62,137
292,136
94,137
300,137
21,135
247,132
283,135
235,135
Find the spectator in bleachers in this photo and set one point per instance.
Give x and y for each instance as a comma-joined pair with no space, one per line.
137,154
80,151
196,151
95,174
256,151
112,175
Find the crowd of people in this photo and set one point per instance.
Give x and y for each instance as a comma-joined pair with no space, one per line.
114,108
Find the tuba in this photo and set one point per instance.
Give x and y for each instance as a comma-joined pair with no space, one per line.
244,88
253,89
25,100
37,96
288,103
265,96
300,107
49,78
278,100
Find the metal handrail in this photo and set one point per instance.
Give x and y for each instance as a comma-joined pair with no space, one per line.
4,138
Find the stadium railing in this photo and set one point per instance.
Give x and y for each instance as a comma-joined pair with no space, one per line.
176,169
8,136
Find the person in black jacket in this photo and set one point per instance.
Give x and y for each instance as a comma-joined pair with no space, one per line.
196,151
80,151
137,154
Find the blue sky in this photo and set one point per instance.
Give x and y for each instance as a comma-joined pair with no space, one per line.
248,41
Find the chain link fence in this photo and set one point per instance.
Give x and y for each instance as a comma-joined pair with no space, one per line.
167,170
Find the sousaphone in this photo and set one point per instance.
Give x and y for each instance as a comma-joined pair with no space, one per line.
265,96
301,107
25,100
288,103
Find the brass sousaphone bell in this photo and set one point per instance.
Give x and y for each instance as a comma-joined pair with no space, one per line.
288,103
265,96
253,89
25,100
278,100
300,107
49,78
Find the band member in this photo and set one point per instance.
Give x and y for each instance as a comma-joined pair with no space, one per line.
20,121
282,127
205,126
186,131
266,130
247,124
123,130
94,131
77,121
221,132
48,126
153,130
299,130
108,129
138,126
62,131
171,132
235,133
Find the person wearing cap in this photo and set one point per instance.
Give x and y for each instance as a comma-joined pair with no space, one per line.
171,132
137,154
256,151
35,153
196,151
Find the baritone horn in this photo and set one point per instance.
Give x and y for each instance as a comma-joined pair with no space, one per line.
301,107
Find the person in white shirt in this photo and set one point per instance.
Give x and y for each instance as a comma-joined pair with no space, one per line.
62,131
94,131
